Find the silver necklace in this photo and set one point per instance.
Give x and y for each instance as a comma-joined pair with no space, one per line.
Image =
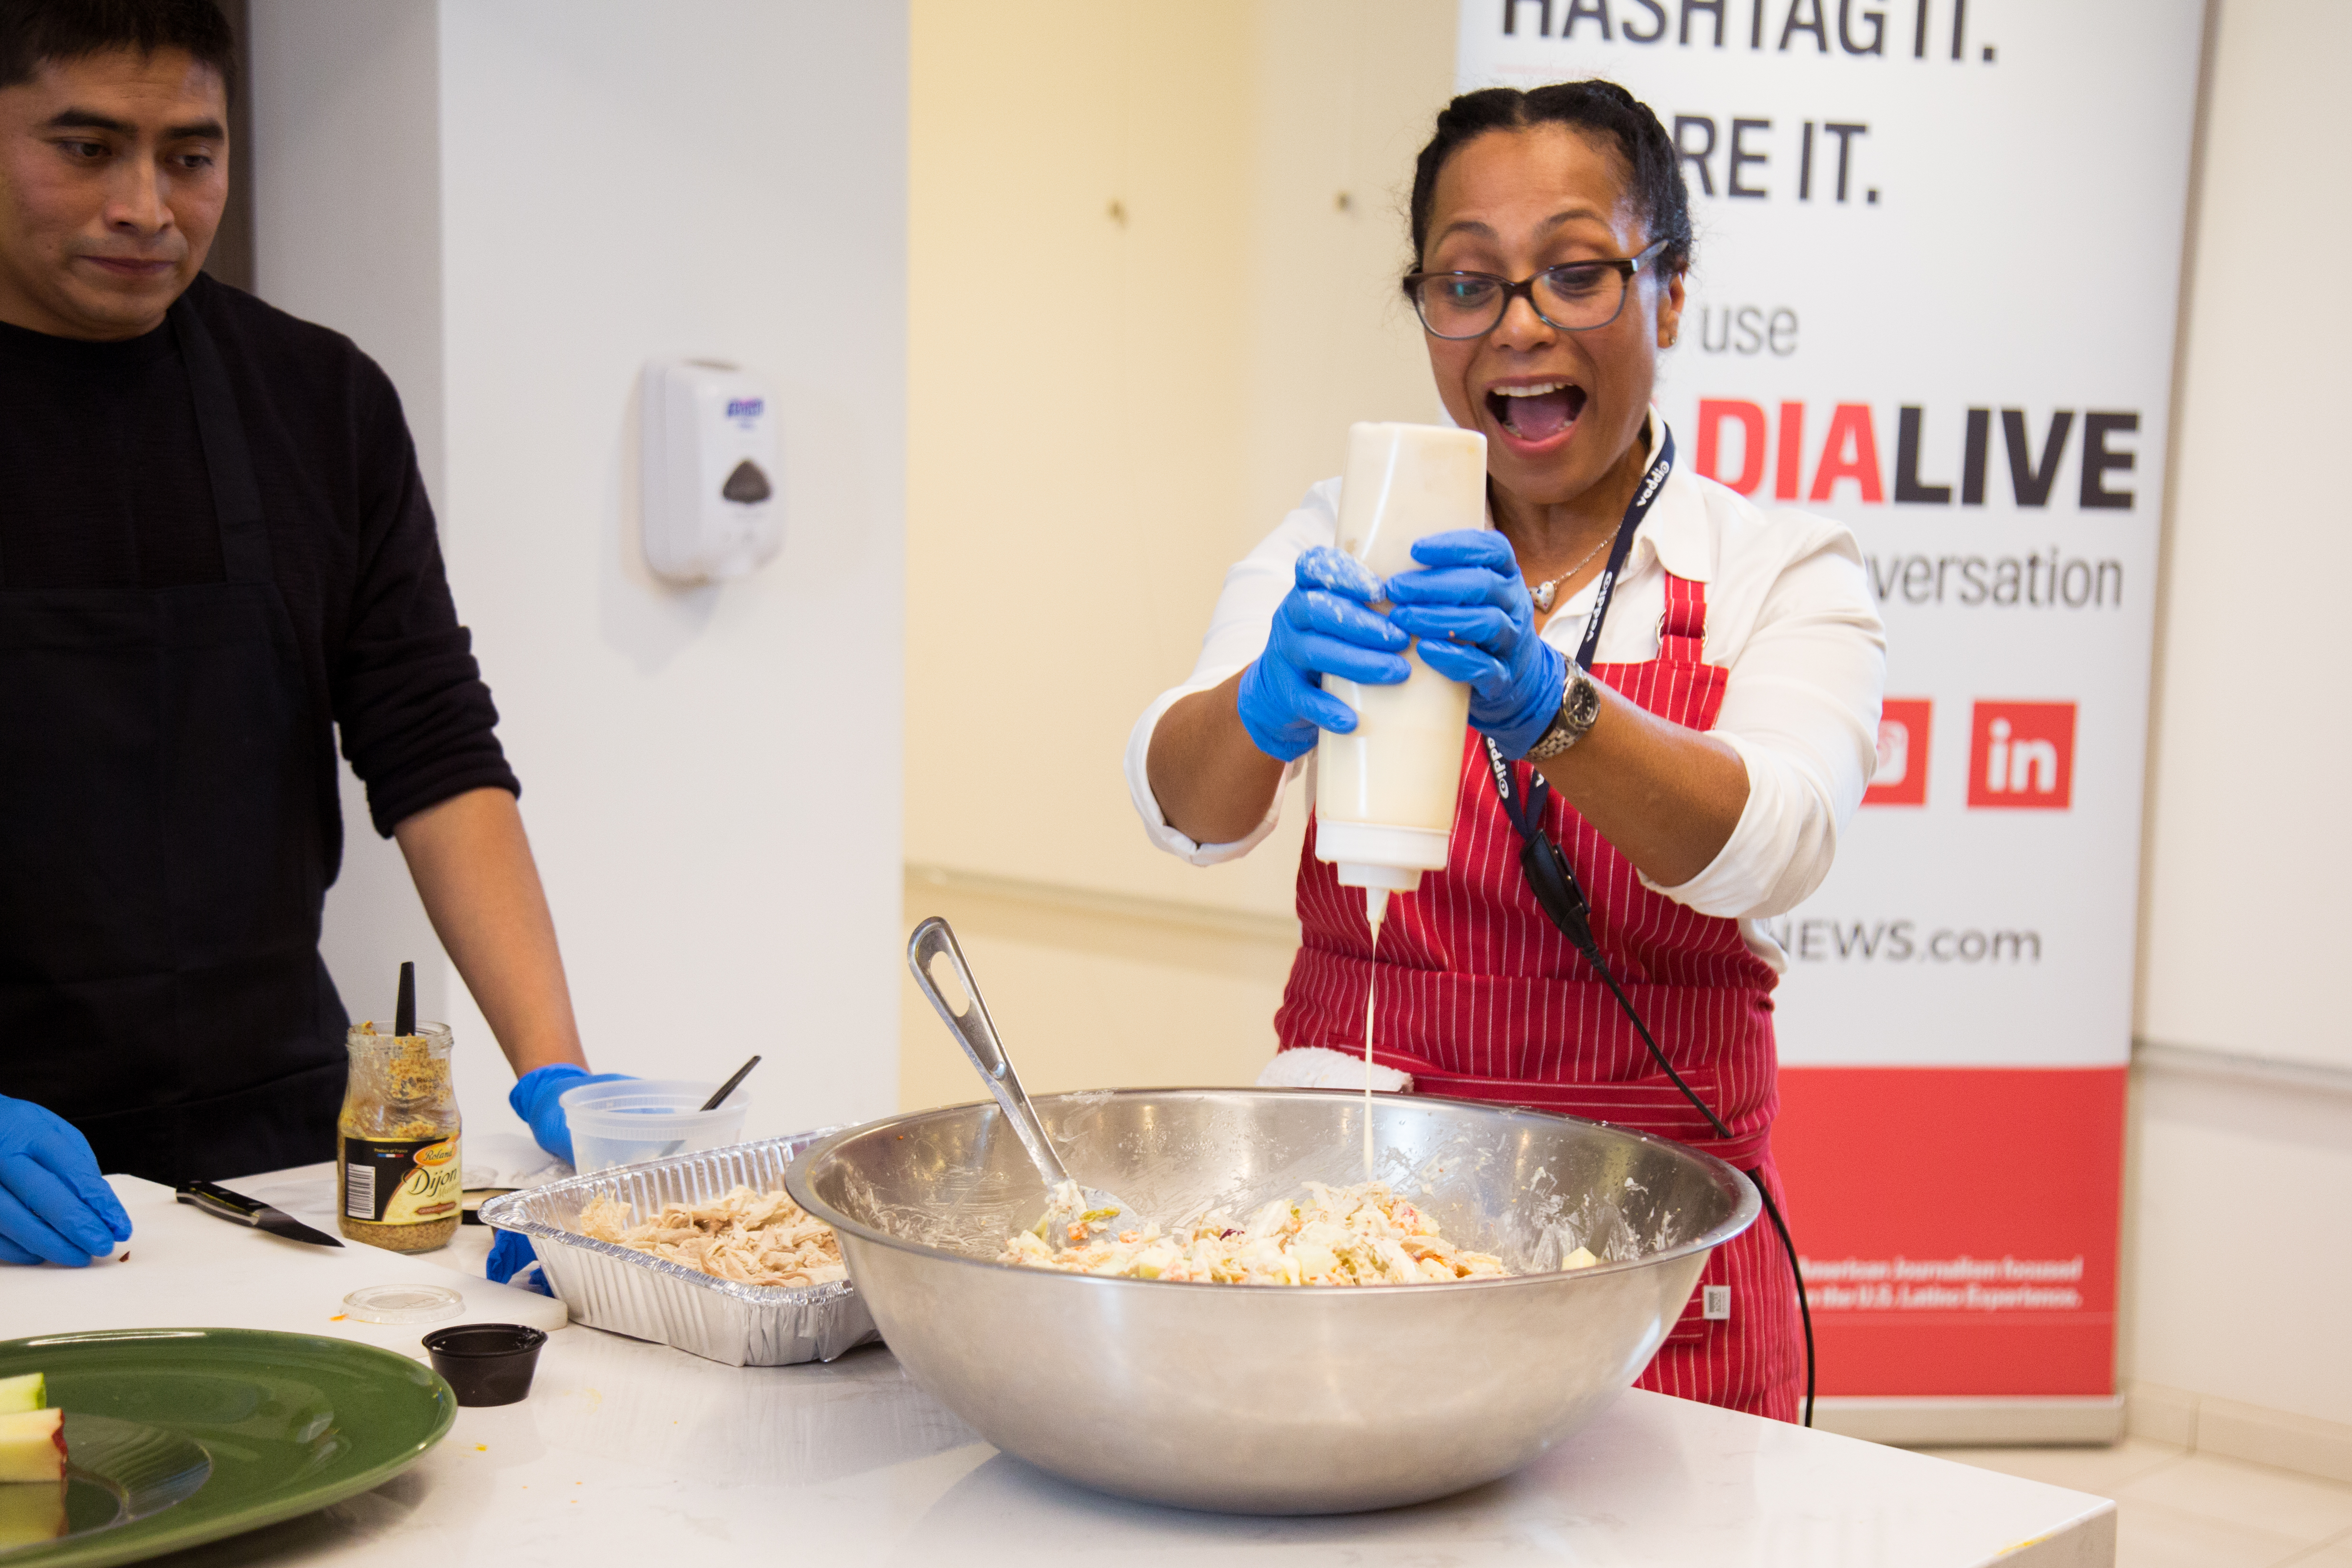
1543,593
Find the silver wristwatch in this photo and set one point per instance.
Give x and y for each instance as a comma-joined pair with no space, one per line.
1579,705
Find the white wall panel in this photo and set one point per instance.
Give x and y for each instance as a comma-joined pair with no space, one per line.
711,776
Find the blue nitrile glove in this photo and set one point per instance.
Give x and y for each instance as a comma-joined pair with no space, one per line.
511,1254
536,1097
1476,625
55,1207
1321,627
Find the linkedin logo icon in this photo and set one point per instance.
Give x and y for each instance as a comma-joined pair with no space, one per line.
2021,755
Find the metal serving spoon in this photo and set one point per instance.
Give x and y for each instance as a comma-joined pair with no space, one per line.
1068,1202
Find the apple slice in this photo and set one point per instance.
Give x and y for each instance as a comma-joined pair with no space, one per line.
33,1446
30,1515
26,1393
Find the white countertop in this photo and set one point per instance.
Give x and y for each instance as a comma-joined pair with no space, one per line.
629,1453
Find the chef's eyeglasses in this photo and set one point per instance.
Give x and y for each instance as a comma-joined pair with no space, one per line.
1576,296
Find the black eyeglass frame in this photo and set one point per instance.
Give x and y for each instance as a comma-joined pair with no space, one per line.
1626,267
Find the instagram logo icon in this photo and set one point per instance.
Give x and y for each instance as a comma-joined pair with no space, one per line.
1903,732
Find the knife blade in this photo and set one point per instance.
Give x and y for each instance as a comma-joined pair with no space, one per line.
216,1199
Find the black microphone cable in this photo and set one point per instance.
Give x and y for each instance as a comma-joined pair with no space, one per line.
1553,882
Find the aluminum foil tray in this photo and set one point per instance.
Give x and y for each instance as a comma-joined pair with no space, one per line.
649,1298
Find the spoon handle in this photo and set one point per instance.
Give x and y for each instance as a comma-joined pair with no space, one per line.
977,1034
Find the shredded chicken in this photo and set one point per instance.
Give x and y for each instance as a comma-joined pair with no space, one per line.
754,1238
1360,1234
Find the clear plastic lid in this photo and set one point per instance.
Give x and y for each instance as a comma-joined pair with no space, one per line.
404,1303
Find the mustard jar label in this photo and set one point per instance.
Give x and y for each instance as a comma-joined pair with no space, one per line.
401,1180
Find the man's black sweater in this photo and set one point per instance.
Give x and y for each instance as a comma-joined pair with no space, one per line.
102,485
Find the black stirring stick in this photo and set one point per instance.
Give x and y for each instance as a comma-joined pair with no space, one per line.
404,1012
716,1100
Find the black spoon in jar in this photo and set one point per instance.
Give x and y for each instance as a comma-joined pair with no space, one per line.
716,1099
403,1010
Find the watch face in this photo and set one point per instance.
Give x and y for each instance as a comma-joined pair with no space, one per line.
1583,704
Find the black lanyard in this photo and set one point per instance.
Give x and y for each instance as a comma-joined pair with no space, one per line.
1525,808
1553,882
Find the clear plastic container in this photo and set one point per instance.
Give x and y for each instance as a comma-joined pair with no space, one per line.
647,1119
404,1303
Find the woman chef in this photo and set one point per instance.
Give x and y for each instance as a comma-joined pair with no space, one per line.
1683,691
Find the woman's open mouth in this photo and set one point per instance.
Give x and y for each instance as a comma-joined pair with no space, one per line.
1537,412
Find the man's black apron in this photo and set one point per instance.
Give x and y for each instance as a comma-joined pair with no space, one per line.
163,853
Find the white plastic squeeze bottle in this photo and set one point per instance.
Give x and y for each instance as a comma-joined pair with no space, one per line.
1384,796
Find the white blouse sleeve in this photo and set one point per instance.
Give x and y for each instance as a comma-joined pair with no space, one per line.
1800,707
1254,587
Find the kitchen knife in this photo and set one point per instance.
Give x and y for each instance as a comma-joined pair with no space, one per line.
218,1200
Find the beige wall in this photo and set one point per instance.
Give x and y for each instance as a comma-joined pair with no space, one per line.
2239,1246
1153,253
2248,846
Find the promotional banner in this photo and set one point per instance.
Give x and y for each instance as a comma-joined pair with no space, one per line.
1934,297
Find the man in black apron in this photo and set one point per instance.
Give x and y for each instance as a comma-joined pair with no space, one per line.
214,550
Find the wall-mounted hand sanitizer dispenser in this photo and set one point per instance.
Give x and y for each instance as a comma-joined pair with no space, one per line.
712,504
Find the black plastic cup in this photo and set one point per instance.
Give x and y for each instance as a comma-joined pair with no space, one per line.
485,1363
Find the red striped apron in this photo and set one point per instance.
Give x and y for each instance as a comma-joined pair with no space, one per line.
1481,997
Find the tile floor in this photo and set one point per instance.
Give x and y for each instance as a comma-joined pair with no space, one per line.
2175,1509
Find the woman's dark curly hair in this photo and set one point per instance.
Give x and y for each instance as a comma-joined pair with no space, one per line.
1602,109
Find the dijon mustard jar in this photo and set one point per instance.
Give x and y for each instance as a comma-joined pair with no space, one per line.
398,1172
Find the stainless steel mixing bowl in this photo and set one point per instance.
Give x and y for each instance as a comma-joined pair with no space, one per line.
1274,1400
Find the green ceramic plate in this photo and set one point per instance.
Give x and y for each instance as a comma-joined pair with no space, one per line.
118,1472
291,1423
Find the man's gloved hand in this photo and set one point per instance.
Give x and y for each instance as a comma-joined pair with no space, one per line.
55,1207
1470,609
1321,627
536,1097
511,1254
